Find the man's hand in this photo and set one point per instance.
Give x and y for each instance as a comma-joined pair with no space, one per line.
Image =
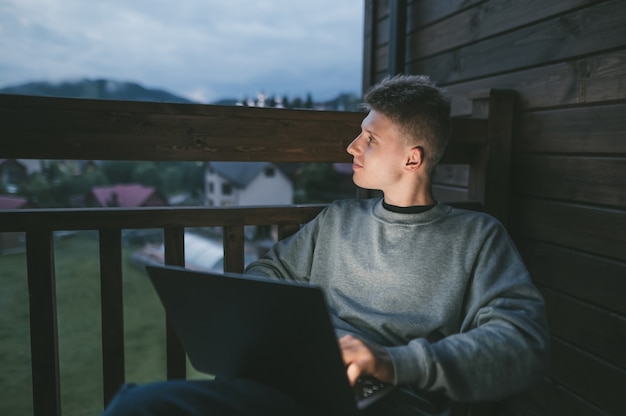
366,359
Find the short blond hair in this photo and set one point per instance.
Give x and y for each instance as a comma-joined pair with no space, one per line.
419,108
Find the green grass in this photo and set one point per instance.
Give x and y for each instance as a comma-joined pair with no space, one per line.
79,326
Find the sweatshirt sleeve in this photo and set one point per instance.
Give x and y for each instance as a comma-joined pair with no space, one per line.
502,346
291,258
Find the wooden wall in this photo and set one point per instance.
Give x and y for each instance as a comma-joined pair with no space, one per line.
566,59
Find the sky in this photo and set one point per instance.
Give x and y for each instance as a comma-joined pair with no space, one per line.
203,50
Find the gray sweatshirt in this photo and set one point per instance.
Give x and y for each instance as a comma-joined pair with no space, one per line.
445,291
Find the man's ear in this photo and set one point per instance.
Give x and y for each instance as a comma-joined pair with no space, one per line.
416,158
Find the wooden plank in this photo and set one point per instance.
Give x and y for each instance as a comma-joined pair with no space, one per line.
459,154
369,34
585,228
382,9
380,63
453,175
589,130
550,398
426,12
379,42
594,79
381,34
593,279
44,339
469,136
397,37
470,131
591,328
595,380
174,241
449,194
485,19
91,131
597,180
557,39
63,128
471,205
112,310
491,168
234,248
153,217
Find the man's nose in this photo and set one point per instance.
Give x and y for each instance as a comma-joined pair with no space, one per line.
353,147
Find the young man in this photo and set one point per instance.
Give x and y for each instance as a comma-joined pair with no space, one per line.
422,295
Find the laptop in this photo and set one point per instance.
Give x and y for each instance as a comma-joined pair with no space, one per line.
272,331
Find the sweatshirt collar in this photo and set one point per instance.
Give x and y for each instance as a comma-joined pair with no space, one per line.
415,209
414,218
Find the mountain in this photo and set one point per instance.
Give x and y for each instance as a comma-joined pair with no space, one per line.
130,91
98,89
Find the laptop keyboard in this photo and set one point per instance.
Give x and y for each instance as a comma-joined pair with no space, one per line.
367,386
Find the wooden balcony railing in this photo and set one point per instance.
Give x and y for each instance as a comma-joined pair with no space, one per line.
77,129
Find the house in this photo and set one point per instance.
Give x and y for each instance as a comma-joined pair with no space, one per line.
127,196
12,174
246,183
13,202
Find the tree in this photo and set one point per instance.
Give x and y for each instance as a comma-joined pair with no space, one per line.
148,174
118,171
316,183
309,101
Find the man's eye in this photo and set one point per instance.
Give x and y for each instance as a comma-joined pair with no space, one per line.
370,138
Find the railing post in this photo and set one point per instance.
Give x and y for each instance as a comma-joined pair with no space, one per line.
234,246
112,310
174,239
490,169
43,323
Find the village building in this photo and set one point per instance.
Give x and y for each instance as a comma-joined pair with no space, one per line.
246,183
13,172
127,196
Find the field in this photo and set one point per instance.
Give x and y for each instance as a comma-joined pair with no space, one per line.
79,326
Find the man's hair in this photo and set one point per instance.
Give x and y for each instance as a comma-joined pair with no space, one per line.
420,110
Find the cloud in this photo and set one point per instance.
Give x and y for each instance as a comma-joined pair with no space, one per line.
196,48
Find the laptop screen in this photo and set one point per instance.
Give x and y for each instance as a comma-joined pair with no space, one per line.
268,330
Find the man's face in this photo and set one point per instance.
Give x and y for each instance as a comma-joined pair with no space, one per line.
379,154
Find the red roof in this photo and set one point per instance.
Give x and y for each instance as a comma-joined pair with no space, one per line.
122,195
12,202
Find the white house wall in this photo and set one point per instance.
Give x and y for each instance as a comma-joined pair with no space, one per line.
264,190
216,198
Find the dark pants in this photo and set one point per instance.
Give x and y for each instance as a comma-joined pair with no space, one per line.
236,397
202,398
